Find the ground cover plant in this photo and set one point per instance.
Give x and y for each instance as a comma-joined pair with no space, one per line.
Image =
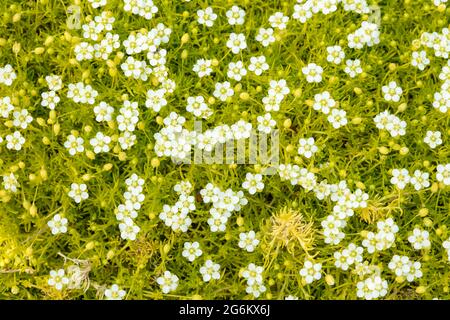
100,106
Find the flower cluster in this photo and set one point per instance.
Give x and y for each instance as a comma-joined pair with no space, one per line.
224,203
128,211
393,124
383,239
176,216
254,276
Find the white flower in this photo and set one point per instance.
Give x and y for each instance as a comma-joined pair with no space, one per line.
248,241
278,88
420,60
253,274
265,123
253,183
338,118
441,101
103,112
258,65
58,224
443,173
236,70
353,67
191,250
235,16
372,288
128,229
433,139
241,129
100,142
302,12
5,107
74,144
400,178
83,51
156,99
114,293
223,90
210,270
255,289
236,42
392,92
198,107
206,17
324,102
203,67
313,73
419,239
97,3
78,192
15,141
168,282
49,99
265,36
311,271
21,118
125,211
307,147
278,20
420,180
58,279
7,75
335,54
10,182
54,82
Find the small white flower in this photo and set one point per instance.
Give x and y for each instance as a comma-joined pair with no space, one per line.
128,229
253,183
311,271
258,65
278,20
338,118
353,67
223,90
203,67
307,147
58,279
78,192
168,282
419,59
420,180
236,42
235,16
265,123
236,70
74,144
335,54
392,92
265,36
420,239
313,73
210,270
248,241
400,178
433,139
191,250
206,17
114,293
58,224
